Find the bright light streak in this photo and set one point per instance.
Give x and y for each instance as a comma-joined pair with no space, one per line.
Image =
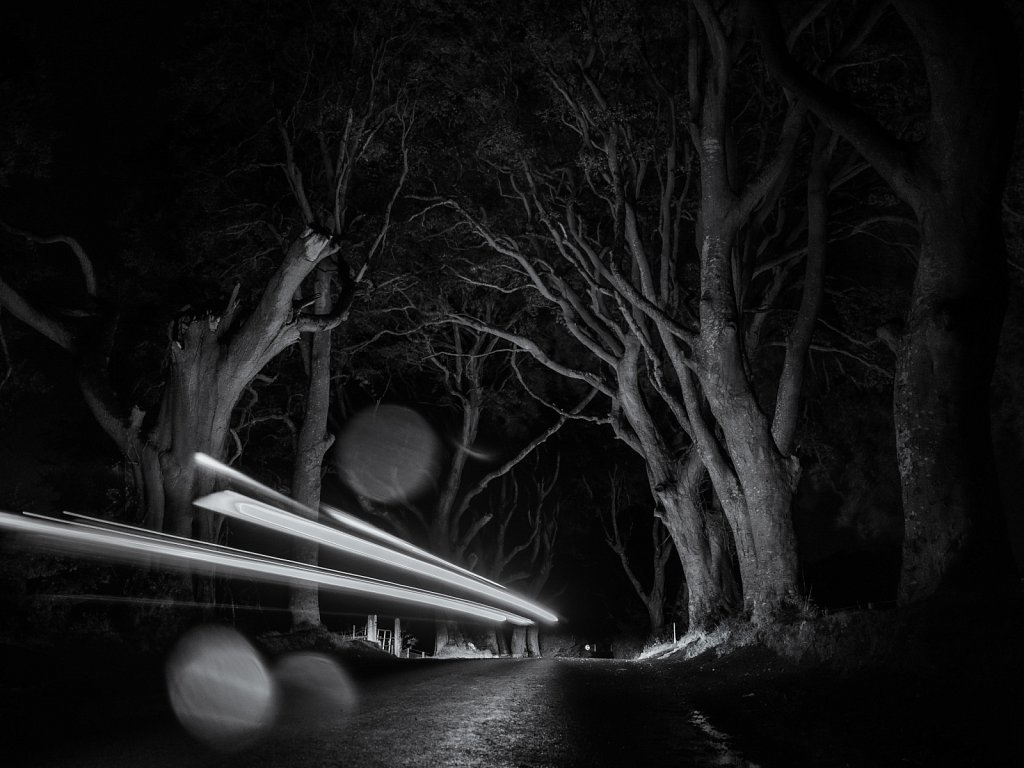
144,533
134,547
346,519
354,522
243,508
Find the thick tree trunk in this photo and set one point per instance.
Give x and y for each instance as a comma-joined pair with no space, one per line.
758,504
953,178
954,533
710,586
753,480
954,529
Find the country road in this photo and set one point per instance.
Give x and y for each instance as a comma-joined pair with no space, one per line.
491,713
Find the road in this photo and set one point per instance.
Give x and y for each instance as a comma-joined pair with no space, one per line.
493,713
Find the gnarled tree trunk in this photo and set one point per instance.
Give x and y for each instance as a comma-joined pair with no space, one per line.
953,178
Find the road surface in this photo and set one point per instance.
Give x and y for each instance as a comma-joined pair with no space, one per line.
493,713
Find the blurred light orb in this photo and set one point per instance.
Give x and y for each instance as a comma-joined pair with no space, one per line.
219,688
315,691
388,453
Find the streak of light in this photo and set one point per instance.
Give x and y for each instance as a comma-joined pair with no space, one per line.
243,508
344,518
133,531
132,547
354,522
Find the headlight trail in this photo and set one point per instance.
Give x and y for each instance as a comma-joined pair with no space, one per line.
140,547
143,533
242,507
344,518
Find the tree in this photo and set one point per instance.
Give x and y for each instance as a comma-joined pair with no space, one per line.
950,170
523,556
465,374
339,127
666,332
211,357
214,354
661,551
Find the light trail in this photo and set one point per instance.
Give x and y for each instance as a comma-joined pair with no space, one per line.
139,547
144,533
354,522
242,507
344,518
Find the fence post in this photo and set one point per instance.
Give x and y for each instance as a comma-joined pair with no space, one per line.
396,639
371,628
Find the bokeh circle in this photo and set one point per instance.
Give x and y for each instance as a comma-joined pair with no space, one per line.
219,688
388,453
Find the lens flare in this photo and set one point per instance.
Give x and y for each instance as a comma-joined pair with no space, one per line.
315,692
388,453
219,688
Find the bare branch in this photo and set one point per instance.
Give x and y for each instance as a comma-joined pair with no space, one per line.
84,262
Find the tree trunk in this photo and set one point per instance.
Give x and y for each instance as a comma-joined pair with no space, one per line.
311,446
953,179
656,617
710,598
757,485
501,641
533,641
518,642
440,635
954,533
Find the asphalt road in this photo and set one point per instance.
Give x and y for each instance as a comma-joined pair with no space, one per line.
493,713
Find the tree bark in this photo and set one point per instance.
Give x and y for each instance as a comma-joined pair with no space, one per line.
712,591
311,446
533,641
518,642
501,641
702,544
953,180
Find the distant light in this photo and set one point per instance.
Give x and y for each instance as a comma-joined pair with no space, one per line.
587,646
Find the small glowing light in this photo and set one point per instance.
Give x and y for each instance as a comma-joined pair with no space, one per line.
587,646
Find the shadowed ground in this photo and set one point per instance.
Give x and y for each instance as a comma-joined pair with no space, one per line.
751,707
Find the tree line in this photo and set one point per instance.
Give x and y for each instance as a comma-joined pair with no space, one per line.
615,213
